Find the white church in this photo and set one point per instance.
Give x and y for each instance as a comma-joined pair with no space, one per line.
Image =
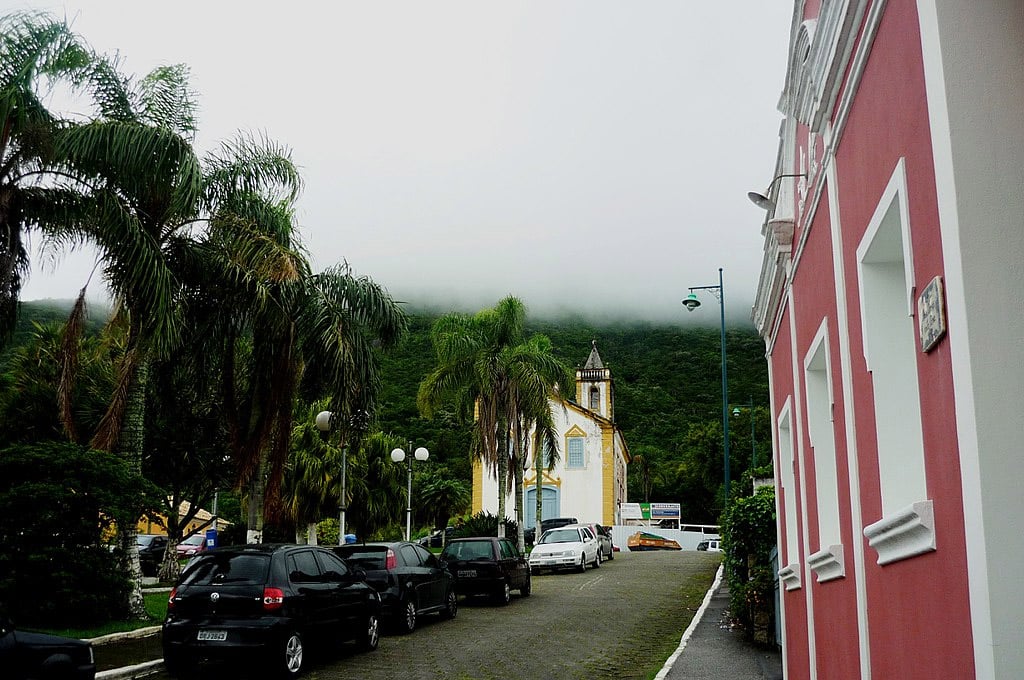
589,480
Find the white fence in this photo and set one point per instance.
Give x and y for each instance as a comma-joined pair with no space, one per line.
687,538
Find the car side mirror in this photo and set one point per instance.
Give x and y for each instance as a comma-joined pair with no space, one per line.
442,564
358,574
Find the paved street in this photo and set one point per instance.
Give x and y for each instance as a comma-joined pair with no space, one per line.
620,621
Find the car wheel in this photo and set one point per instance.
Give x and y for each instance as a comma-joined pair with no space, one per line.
504,594
597,559
451,605
370,637
527,587
291,655
407,622
611,554
583,562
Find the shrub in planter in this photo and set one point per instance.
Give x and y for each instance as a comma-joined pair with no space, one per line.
56,499
748,536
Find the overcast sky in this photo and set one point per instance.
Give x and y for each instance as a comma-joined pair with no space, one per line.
586,156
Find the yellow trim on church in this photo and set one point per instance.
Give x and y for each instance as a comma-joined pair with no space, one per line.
608,473
478,486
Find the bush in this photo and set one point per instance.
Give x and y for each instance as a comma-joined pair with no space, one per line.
748,537
56,499
485,524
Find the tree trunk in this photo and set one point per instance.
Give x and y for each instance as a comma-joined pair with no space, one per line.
257,484
502,478
170,569
538,455
130,445
517,461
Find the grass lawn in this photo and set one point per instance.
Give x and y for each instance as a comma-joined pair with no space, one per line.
156,610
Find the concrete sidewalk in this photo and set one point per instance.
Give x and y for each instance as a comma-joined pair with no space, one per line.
711,650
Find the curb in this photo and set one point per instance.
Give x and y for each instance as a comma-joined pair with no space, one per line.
137,671
128,635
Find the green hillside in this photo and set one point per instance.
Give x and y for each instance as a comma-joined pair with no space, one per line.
668,400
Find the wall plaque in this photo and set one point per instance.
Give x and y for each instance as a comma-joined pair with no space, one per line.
931,314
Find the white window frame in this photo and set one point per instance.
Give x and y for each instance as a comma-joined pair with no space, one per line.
906,527
827,561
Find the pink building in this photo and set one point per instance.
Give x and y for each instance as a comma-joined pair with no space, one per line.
891,301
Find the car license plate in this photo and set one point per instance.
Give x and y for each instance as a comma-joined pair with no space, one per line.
213,635
467,573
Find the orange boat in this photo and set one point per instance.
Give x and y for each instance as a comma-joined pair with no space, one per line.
642,540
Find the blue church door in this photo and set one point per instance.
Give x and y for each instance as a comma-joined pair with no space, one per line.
550,505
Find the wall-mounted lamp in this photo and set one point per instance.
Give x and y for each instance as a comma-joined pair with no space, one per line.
761,200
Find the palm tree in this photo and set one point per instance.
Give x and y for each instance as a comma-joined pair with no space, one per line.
312,480
487,367
444,497
375,484
312,336
534,378
33,48
470,375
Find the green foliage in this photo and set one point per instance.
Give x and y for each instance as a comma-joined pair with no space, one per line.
484,524
442,496
748,537
55,501
668,402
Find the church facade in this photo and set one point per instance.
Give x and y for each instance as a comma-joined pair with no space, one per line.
588,481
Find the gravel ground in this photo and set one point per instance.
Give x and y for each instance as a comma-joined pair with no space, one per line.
619,621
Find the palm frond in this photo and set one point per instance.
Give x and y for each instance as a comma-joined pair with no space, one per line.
250,165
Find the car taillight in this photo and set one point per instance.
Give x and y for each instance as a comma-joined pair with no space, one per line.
273,598
170,600
391,561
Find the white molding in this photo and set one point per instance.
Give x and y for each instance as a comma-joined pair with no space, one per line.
907,533
798,446
846,378
790,576
828,564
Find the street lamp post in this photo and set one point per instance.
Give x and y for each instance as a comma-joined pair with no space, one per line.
753,445
357,422
398,455
691,303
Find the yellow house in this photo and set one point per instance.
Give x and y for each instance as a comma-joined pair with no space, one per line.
201,522
589,479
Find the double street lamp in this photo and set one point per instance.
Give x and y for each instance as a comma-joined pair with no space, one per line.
398,455
357,423
691,303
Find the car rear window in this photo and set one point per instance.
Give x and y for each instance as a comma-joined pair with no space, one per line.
365,558
561,536
214,569
469,550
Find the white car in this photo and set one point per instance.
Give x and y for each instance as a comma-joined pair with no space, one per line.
570,547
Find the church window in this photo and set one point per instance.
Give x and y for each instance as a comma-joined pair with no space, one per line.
595,399
575,452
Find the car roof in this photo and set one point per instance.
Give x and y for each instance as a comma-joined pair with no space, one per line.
474,538
373,544
260,548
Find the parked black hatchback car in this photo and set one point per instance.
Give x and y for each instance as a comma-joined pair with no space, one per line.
409,579
488,566
263,603
25,655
